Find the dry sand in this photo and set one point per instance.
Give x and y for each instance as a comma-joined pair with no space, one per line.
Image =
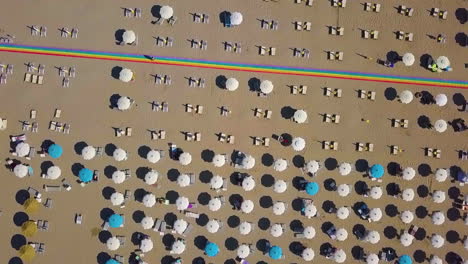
85,106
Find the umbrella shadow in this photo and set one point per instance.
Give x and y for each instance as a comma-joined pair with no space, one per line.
205,176
459,99
329,184
139,194
231,244
462,15
392,189
361,165
17,241
267,159
424,122
361,187
393,56
424,61
168,240
15,260
328,206
104,235
298,161
21,196
110,148
172,196
235,198
452,236
390,93
109,170
200,242
423,191
393,168
138,216
297,182
254,84
452,257
173,174
107,192
143,151
287,112
419,256
454,192
45,166
266,201
170,218
141,172
76,167
223,15
424,169
202,220
453,214
324,248
420,234
326,226
233,221
19,218
46,144
167,260
105,213
359,229
221,81
204,198
227,261
79,146
136,238
421,212
103,257
263,245
296,225
296,204
113,99
156,11
296,248
331,164
391,210
207,155
390,232
118,35
267,180
115,71
462,39
357,252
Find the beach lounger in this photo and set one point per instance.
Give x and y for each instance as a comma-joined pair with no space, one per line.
203,45
165,107
307,26
137,12
394,150
371,95
35,127
230,139
99,151
337,92
34,78
172,20
167,80
32,153
266,142
64,32
57,113
199,109
128,131
122,240
197,136
262,50
258,112
272,51
52,188
309,2
228,46
26,126
188,108
34,193
297,1
41,69
34,30
221,137
3,78
369,147
74,33
237,48
205,18
274,25
188,136
40,79
435,11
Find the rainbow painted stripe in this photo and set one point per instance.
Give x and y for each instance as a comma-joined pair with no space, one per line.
140,58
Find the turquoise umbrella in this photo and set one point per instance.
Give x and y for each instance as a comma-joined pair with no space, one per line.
312,188
211,249
275,252
405,259
115,220
376,171
112,261
55,151
86,175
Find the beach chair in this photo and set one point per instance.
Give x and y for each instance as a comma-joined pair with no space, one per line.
309,2
52,125
337,92
172,20
409,37
197,136
187,230
230,139
262,50
369,147
294,89
99,151
266,142
203,45
52,188
256,141
34,79
35,127
188,136
122,240
192,215
297,1
26,126
128,131
199,109
169,42
167,80
40,79
435,11
3,79
43,31
165,107
96,175
137,12
258,112
31,154
443,15
41,69
34,30
268,114
335,118
272,51
205,18
371,95
307,26
74,33
394,150
365,34
305,53
188,108
238,47
228,46
57,113
127,12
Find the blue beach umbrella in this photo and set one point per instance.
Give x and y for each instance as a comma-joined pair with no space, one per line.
115,220
376,171
405,259
275,252
86,175
312,188
55,151
112,261
211,249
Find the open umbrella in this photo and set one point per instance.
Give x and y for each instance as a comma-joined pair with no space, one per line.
441,99
119,154
312,166
117,198
309,232
183,180
128,37
438,196
275,252
88,152
216,182
310,211
185,158
21,170
54,172
214,204
279,208
115,221
113,243
344,168
341,234
441,175
308,254
31,205
408,174
151,177
232,84
123,103
300,116
436,260
407,195
245,228
212,226
408,59
437,241
440,125
312,188
211,249
153,156
248,183
85,175
376,171
406,97
248,162
147,222
375,192
22,149
339,256
146,245
219,160
178,247
29,228
342,213
280,165
236,18
182,203
407,217
280,186
375,214
247,206
166,12
298,143
55,151
406,239
276,230
243,251
343,190
149,200
442,62
438,218
372,259
405,259
118,176
373,237
266,86
180,225
27,252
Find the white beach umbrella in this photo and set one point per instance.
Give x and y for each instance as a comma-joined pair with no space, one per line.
182,203
146,245
375,192
151,177
236,18
119,154
441,175
373,237
214,204
185,158
247,206
343,190
408,174
153,156
408,59
440,125
309,232
406,239
21,170
372,259
266,86
183,180
126,75
279,208
248,183
438,218
276,230
88,152
129,37
123,103
298,143
243,251
113,243
166,12
308,254
339,256
312,166
178,247
212,226
216,182
441,99
300,116
232,84
341,234
117,198
118,176
245,228
22,149
149,200
406,97
437,241
280,186
54,172
442,62
310,211
280,165
180,225
407,217
219,160
344,168
375,214
436,260
438,196
342,213
407,195
147,222
248,162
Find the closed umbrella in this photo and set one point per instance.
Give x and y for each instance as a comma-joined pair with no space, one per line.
117,198
212,226
312,166
312,188
407,195
343,190
147,222
182,203
341,234
308,254
248,183
436,260
248,162
118,176
298,143
166,12
21,170
214,204
438,218
88,152
344,168
442,62
406,97
216,182
437,241
22,149
438,196
149,200
245,228
279,208
309,232
310,211
243,251
300,116
113,243
211,249
407,217
408,59
185,158
375,192
276,230
280,165
236,18
153,156
128,37
55,151
219,160
441,99
146,245
85,175
280,186
54,172
232,84
266,86
375,214
440,125
247,206
119,154
151,177
180,225
406,239
441,175
124,102
178,247
373,237
342,213
183,180
372,259
339,256
408,173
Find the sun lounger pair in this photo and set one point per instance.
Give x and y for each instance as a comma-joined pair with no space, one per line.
394,150
198,109
161,134
372,34
43,225
228,138
331,118
330,145
260,113
308,2
407,11
405,36
192,136
301,89
400,123
307,26
369,147
335,55
34,193
304,53
436,12
372,7
337,92
339,3
132,12
363,94
201,18
261,141
433,152
33,78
